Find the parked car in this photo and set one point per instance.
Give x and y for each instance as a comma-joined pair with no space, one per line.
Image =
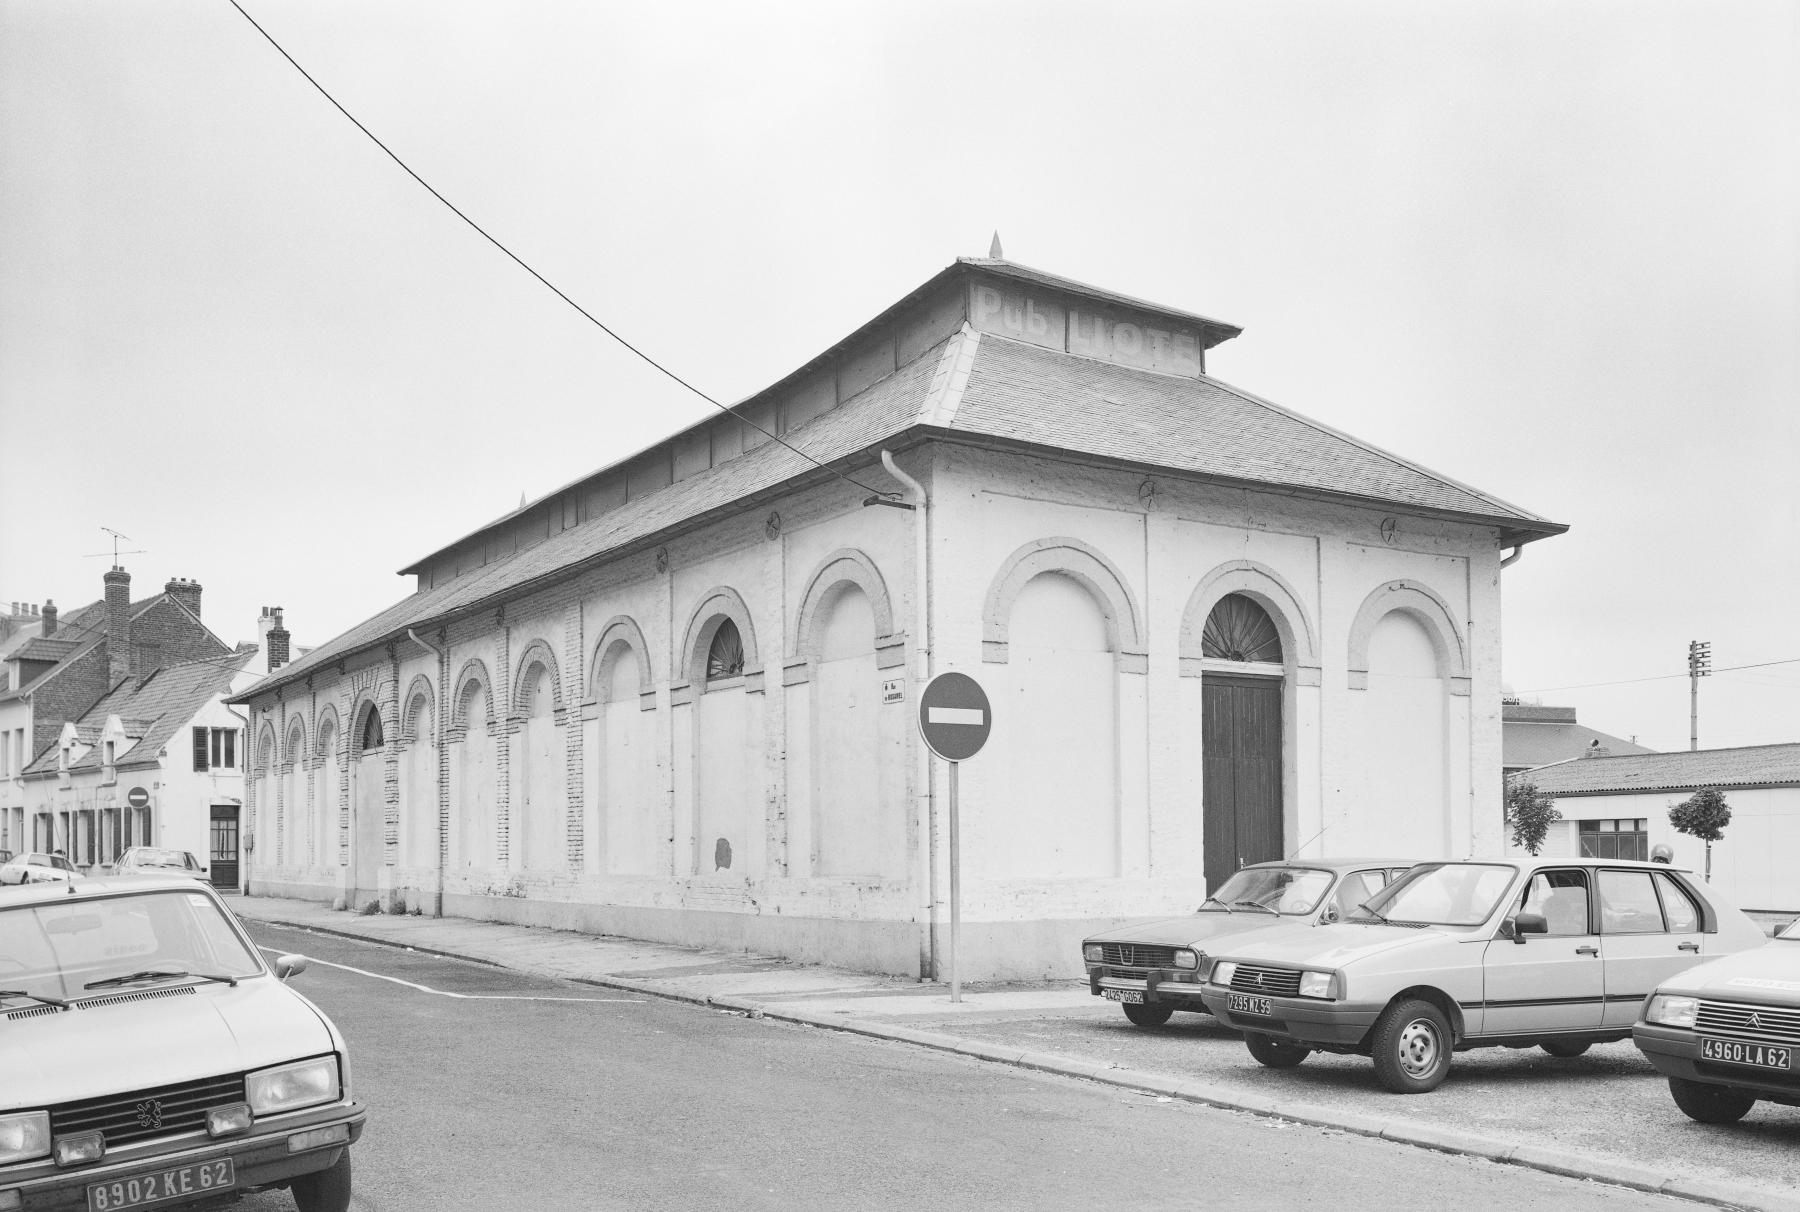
33,868
141,859
1154,968
1545,952
1726,1033
153,1058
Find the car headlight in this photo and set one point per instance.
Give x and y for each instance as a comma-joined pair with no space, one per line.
287,1087
1186,959
24,1135
1223,971
1315,984
1672,1011
1092,953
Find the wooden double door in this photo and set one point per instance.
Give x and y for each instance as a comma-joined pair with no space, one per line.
1240,742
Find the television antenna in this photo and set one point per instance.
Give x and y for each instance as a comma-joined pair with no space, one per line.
116,553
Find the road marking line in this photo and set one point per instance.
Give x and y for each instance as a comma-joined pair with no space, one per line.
467,997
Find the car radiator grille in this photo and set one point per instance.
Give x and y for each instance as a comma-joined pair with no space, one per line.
161,1111
1276,982
1762,1024
1136,955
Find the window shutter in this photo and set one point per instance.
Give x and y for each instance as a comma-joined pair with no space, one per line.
199,749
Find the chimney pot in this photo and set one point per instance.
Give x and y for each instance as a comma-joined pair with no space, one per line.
118,623
49,617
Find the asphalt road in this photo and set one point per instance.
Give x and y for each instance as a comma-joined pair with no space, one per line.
490,1089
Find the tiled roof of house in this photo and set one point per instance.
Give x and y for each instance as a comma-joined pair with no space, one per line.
1750,766
40,649
88,629
158,705
1015,395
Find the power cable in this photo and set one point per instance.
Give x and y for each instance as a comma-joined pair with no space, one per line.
1661,677
646,358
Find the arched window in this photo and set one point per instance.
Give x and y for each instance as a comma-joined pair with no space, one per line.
1240,630
371,733
725,659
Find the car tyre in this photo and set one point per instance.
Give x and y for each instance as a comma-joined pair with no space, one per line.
1412,1046
1146,1016
1566,1049
1708,1103
326,1190
1274,1053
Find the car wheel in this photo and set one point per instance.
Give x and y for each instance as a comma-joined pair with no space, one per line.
325,1190
1412,1044
1273,1053
1146,1016
1708,1103
1566,1049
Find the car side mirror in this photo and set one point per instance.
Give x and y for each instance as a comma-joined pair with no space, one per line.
1331,913
287,966
1528,923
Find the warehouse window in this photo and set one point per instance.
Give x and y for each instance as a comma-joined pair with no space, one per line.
725,659
1623,838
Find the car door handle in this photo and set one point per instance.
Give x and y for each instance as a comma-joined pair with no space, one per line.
1687,946
1587,951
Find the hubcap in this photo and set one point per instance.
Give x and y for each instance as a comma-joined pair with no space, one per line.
1418,1048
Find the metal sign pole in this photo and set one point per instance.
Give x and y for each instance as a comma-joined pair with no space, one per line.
955,888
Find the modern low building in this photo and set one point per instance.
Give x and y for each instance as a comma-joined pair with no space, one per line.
675,699
1619,806
1534,735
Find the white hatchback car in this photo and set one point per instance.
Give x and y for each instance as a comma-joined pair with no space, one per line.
36,868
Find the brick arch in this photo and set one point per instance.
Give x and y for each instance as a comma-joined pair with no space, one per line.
535,653
420,688
1266,587
365,702
718,605
265,749
843,568
1429,609
621,634
473,670
295,752
328,722
1087,567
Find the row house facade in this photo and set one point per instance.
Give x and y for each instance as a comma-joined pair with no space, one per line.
675,699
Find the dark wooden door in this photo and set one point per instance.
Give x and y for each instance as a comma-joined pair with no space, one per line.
1240,752
224,858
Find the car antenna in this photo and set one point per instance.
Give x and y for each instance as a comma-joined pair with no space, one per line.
1309,841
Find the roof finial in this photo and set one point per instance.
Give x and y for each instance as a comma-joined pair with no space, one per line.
994,253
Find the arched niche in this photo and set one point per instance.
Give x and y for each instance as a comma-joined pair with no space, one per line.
473,675
620,636
1084,565
533,655
419,702
841,570
1431,611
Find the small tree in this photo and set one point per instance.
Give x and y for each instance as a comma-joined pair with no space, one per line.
1704,815
1529,813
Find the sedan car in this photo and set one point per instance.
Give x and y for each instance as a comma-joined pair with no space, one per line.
1727,1033
152,1058
32,868
143,860
1538,952
1155,968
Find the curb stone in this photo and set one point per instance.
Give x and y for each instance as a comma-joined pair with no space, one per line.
1588,1167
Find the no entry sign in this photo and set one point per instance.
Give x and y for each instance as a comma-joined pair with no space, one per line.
137,797
954,717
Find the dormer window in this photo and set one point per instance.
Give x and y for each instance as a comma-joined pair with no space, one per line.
725,659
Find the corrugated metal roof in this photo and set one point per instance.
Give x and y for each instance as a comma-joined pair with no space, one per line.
1750,766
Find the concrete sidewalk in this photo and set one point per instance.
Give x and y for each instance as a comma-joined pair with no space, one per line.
923,1014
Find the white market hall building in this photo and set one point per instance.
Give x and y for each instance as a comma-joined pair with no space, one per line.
675,699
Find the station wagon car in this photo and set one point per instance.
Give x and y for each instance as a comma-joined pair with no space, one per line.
152,1059
150,860
31,868
1155,968
1726,1033
1551,953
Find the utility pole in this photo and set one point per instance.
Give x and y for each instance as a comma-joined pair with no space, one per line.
1699,666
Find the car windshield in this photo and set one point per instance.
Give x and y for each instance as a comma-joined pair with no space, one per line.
146,857
57,948
1441,894
1291,890
1792,931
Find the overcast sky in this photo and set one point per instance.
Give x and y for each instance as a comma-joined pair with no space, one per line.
1548,249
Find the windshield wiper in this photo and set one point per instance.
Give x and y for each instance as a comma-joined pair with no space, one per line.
1213,900
1259,905
151,974
1365,908
36,997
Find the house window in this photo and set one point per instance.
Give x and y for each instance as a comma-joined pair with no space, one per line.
215,748
725,659
1624,838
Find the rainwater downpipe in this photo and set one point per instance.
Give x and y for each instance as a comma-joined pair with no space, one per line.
920,504
437,726
1518,551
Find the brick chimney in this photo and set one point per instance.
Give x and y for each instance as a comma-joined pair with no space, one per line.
274,637
118,623
186,592
49,617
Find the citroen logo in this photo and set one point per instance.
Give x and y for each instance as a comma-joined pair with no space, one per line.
1755,1019
149,1114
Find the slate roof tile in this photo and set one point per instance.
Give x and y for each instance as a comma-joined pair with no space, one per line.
1750,766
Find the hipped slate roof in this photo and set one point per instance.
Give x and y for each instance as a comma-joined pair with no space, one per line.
1751,766
996,392
1531,744
152,709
